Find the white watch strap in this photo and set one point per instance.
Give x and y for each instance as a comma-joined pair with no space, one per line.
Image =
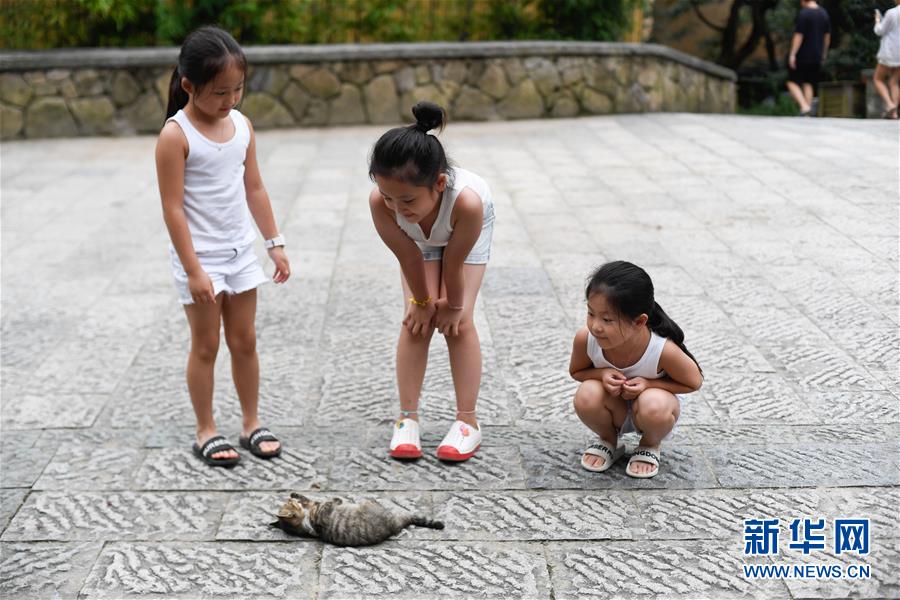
278,240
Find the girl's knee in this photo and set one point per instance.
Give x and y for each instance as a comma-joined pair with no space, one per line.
241,343
657,408
588,397
206,348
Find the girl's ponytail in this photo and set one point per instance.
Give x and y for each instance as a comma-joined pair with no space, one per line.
178,98
662,324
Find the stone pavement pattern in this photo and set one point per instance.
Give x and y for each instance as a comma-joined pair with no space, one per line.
773,242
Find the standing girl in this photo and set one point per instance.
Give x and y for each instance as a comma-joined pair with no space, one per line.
888,67
438,221
632,363
210,185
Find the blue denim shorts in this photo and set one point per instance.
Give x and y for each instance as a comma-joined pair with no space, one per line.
480,252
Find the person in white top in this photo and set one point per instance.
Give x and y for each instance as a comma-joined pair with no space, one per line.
210,187
438,222
633,365
888,67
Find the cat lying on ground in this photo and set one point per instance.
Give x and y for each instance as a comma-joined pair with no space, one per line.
342,524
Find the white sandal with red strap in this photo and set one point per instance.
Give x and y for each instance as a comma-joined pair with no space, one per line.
405,441
460,443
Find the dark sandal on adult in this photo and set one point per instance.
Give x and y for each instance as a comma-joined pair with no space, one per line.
215,445
257,437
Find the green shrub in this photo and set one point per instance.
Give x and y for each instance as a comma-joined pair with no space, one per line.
35,24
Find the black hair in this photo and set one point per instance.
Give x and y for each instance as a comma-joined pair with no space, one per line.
628,288
410,154
206,52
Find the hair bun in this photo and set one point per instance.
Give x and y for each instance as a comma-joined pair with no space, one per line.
429,116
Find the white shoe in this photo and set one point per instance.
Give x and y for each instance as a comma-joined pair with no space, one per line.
405,442
460,443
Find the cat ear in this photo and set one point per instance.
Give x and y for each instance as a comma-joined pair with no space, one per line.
336,501
296,495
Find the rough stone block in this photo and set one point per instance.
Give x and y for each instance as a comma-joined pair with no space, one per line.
298,468
471,104
382,102
806,465
596,102
52,410
146,114
493,82
94,115
620,570
535,516
347,108
321,83
83,467
124,89
432,569
522,102
10,501
49,117
11,121
45,570
191,570
14,89
265,111
66,516
296,100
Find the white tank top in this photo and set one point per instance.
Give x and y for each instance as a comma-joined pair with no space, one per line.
646,367
215,201
442,229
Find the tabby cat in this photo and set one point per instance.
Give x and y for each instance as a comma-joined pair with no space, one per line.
342,524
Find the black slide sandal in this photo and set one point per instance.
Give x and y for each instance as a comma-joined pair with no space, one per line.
216,443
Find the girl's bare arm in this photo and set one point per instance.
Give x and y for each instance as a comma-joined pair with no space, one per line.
407,252
257,196
682,374
171,153
468,217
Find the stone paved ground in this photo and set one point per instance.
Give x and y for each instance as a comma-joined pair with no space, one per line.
773,242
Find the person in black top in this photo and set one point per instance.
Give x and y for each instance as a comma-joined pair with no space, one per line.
809,47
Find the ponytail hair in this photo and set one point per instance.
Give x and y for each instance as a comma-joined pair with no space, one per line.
410,154
206,52
629,289
178,98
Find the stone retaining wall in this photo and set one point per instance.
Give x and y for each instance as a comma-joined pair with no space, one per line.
117,92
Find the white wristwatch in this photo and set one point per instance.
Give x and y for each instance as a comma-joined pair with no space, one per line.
278,240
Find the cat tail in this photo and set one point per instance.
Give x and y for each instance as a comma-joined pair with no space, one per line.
425,522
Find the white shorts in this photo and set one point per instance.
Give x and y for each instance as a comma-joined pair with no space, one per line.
232,271
480,252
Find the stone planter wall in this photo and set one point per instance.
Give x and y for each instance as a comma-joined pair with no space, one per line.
119,92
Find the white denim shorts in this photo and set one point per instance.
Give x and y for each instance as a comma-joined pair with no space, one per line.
232,271
480,252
